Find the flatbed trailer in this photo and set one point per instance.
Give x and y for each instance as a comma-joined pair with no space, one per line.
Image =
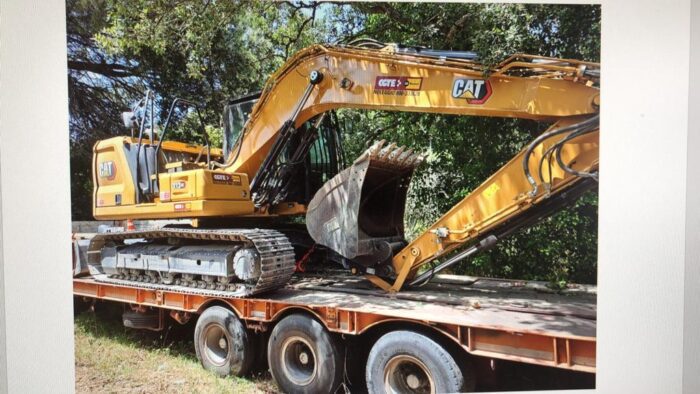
478,318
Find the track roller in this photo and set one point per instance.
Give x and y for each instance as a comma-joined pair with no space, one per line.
304,357
222,343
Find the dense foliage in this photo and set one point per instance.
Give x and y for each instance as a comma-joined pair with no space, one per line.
208,51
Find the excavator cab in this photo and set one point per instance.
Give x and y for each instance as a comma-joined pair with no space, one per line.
236,114
147,176
312,155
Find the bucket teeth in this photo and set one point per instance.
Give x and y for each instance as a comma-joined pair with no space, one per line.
418,158
393,155
376,147
386,152
403,157
396,154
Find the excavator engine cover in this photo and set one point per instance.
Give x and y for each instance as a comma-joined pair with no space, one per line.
359,212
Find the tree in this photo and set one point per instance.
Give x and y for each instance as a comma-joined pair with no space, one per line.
99,87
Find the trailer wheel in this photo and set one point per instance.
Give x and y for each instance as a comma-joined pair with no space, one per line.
408,362
222,343
304,357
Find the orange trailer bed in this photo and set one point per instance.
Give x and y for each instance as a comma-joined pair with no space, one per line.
519,321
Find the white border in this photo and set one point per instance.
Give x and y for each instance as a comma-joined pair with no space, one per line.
642,196
35,200
691,310
646,244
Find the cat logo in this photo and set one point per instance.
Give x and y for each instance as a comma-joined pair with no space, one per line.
179,185
107,170
475,91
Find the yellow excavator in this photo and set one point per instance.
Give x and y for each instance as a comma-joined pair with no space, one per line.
282,157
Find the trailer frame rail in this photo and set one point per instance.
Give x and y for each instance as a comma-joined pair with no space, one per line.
540,347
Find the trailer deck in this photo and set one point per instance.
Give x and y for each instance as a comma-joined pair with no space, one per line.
512,320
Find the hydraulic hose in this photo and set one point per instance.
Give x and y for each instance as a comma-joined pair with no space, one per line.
484,244
557,155
549,152
542,138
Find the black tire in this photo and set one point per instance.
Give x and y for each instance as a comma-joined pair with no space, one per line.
222,343
408,362
304,357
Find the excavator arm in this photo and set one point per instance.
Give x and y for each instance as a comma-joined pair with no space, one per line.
359,213
508,200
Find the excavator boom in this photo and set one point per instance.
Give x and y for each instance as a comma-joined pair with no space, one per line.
523,86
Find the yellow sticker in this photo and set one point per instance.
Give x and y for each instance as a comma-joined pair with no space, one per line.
413,83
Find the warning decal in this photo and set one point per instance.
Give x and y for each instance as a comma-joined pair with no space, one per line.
398,86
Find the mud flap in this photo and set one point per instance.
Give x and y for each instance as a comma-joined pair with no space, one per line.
359,212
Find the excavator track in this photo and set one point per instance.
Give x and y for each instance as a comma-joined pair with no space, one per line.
276,258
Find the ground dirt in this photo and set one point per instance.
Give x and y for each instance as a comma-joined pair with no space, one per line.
110,358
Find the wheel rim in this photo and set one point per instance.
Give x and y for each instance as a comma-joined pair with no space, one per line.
216,344
407,374
298,360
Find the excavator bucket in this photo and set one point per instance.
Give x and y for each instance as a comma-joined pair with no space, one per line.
359,212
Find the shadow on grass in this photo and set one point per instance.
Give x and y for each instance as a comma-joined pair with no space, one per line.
104,321
176,339
101,330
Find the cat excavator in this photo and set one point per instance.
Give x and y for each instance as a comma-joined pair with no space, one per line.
282,159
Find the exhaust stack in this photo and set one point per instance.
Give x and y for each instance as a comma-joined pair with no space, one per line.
359,212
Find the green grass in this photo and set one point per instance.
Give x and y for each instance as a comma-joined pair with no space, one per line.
110,358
